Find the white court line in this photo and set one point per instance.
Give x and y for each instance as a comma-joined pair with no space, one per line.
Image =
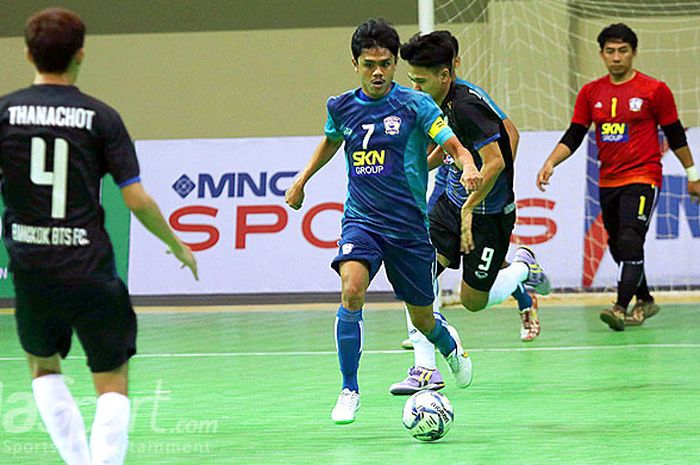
393,352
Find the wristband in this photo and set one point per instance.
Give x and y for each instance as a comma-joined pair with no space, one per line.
692,173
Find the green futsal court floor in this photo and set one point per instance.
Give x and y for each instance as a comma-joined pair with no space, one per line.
256,386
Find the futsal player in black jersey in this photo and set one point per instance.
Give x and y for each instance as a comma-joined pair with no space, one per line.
56,145
472,227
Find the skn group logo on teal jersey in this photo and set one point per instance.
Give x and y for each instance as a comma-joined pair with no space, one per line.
370,163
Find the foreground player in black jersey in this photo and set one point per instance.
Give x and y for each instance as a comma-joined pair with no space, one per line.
472,227
56,145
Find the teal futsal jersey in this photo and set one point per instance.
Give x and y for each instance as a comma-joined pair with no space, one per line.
386,143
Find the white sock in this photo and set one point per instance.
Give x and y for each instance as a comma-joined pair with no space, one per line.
436,291
62,418
506,282
109,437
423,349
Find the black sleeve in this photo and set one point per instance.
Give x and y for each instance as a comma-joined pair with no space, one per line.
479,123
675,134
574,136
120,153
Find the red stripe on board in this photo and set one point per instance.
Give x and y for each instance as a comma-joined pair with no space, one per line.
594,245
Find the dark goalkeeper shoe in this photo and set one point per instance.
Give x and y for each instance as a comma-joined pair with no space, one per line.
641,311
614,317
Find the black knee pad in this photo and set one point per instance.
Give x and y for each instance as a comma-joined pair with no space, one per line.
630,243
612,246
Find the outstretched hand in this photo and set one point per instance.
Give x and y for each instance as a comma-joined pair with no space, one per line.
543,176
184,254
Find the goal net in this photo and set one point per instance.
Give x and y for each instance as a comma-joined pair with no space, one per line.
533,56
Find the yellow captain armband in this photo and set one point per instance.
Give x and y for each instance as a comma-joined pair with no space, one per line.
438,125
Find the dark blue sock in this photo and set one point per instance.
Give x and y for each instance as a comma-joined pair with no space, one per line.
348,340
523,298
442,339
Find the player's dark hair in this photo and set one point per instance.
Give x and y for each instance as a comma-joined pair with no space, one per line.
617,32
453,40
434,50
375,33
53,36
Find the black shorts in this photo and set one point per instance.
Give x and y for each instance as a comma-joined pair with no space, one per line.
629,206
100,313
491,235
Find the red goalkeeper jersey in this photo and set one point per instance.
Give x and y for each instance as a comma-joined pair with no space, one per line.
627,117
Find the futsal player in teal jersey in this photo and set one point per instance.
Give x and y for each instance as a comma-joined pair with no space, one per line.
386,129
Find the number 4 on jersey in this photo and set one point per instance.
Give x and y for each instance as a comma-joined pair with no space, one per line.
58,178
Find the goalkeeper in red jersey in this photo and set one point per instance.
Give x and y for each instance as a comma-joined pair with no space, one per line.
627,107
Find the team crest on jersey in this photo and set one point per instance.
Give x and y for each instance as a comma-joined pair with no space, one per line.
347,248
392,125
636,104
598,105
347,132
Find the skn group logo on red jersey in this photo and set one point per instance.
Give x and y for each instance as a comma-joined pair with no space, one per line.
614,132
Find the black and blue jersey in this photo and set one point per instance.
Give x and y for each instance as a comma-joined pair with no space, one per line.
477,124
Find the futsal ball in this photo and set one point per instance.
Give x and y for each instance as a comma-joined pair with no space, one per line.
428,415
